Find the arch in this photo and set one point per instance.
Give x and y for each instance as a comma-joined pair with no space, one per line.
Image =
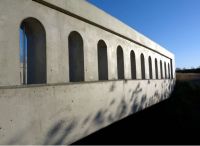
76,57
142,66
120,63
133,65
33,52
156,68
150,68
165,70
172,75
169,75
161,70
102,60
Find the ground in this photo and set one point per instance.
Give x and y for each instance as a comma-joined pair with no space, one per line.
173,121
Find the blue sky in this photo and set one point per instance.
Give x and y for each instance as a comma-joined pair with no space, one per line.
174,24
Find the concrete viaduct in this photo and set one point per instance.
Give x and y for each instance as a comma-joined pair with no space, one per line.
68,69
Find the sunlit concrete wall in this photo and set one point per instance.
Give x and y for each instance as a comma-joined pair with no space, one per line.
58,26
62,112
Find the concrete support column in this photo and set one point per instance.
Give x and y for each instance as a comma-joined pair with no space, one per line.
153,67
112,61
159,72
146,60
90,58
138,65
127,63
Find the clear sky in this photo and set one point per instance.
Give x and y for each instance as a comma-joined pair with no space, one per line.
174,24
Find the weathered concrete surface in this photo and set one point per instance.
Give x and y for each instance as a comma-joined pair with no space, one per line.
58,26
62,114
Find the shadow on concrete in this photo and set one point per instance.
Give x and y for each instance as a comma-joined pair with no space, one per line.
140,124
59,133
173,121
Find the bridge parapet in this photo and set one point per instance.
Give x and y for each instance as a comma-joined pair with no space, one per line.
68,69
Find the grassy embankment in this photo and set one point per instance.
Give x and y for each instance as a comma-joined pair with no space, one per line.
185,100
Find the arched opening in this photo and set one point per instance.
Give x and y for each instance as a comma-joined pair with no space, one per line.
161,70
102,60
150,68
172,76
165,70
156,68
133,65
169,76
120,63
76,57
32,52
142,66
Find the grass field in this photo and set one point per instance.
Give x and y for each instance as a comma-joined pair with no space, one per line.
185,100
187,76
173,121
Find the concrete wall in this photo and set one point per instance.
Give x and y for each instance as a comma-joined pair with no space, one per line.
58,26
61,112
90,12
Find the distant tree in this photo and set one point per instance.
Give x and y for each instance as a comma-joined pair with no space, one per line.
188,70
192,67
178,69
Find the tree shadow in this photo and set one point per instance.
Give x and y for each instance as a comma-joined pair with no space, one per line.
112,87
59,132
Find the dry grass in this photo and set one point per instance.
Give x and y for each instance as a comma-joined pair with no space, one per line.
187,76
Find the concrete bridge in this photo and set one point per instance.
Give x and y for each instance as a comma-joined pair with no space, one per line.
68,69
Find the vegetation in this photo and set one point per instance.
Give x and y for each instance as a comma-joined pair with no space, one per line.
192,70
185,100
